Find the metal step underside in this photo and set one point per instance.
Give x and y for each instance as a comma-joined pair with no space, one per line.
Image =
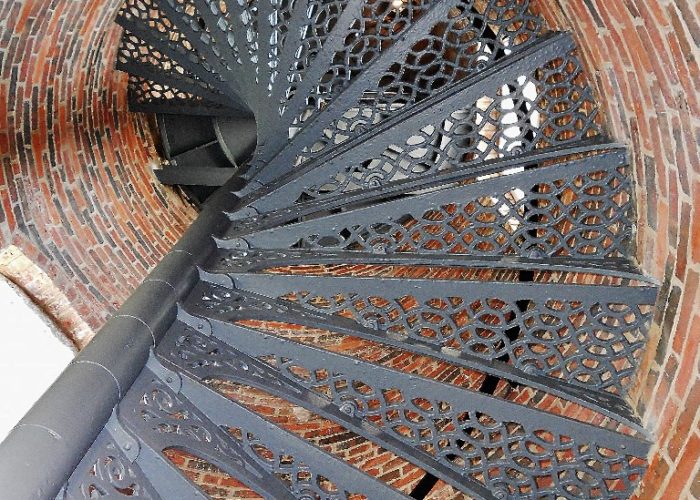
449,42
425,252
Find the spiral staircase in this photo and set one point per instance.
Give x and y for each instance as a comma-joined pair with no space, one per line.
413,227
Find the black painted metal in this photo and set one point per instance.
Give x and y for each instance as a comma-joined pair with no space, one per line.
195,176
559,334
474,415
204,152
425,179
138,58
147,96
450,41
254,260
40,453
192,353
106,469
188,352
265,309
579,208
139,19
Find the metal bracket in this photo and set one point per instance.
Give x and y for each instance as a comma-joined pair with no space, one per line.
198,323
169,377
127,443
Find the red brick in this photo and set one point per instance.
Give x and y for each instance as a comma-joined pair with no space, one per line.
654,478
682,430
86,72
684,466
647,70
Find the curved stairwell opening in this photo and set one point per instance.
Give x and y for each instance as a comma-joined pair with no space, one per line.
412,275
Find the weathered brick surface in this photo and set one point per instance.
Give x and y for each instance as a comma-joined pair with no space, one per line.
21,271
643,60
77,193
216,483
78,198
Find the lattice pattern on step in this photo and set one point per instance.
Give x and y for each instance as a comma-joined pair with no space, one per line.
237,28
321,18
206,357
549,108
381,23
105,471
225,30
279,25
191,19
505,454
133,50
149,96
149,15
585,215
472,37
581,340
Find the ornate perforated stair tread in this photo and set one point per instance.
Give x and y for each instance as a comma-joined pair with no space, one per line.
429,252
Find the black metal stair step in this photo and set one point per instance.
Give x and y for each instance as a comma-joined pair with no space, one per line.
446,129
152,24
581,208
362,32
294,360
585,329
138,58
223,303
147,96
453,40
423,239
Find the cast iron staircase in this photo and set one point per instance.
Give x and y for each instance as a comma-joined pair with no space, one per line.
423,236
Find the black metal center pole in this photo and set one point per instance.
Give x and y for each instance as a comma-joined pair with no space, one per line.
43,449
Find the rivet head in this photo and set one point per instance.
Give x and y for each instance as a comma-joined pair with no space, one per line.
530,369
536,253
348,408
500,492
127,446
379,248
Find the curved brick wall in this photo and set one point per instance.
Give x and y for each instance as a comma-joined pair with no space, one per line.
77,194
78,197
642,56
